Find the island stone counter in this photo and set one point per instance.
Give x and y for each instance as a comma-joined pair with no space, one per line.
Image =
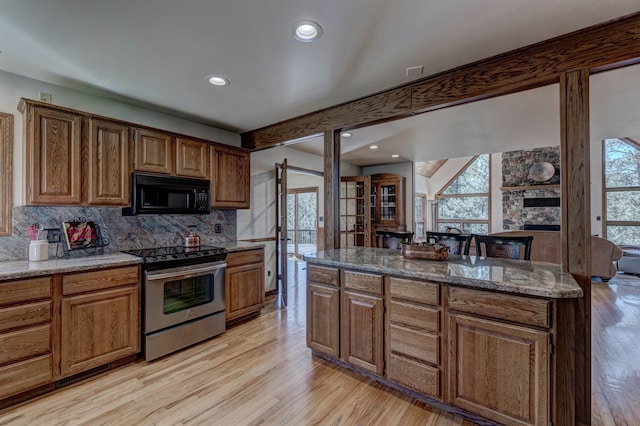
505,275
488,339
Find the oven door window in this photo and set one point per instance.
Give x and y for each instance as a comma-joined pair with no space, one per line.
187,293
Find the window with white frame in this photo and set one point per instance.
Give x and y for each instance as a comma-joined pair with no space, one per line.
464,202
420,216
621,194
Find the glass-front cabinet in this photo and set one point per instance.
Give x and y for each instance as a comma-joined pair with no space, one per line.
389,202
370,203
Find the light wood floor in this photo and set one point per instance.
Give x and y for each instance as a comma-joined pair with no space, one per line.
616,351
262,373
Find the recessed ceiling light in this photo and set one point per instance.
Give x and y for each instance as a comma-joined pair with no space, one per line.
394,156
373,147
217,80
345,134
306,31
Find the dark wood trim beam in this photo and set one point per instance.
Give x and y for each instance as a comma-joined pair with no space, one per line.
332,189
391,103
576,224
604,46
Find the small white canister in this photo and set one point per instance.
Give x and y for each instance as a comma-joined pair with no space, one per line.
38,250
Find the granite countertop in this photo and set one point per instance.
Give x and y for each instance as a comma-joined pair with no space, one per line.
14,269
232,246
509,276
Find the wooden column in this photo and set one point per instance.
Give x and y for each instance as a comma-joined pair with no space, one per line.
331,189
576,224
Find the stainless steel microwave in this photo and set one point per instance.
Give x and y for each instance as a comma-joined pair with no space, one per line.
154,194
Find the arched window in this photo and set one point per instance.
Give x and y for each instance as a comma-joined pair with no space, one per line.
464,202
621,203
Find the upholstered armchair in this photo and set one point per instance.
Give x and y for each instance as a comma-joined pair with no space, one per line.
603,254
547,247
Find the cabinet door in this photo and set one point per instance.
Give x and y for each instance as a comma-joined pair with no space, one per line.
362,329
499,371
389,194
192,158
230,178
98,328
323,319
53,157
109,164
153,152
245,290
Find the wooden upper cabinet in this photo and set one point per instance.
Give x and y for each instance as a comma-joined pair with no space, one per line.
230,178
153,151
6,172
109,163
192,158
53,156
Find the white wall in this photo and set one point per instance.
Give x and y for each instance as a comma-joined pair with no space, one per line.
400,169
13,87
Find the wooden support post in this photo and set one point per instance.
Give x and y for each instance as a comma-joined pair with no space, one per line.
576,224
331,189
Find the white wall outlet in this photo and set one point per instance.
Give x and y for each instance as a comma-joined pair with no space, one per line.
45,97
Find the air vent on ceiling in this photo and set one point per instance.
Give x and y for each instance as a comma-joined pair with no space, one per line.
415,71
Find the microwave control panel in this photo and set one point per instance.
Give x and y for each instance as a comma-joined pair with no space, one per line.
202,200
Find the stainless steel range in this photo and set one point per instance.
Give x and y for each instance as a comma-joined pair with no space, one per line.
183,297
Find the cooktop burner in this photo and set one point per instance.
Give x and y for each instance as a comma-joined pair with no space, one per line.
179,254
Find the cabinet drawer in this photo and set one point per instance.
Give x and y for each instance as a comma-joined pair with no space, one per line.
416,344
322,275
501,306
24,315
21,344
99,280
415,375
368,283
415,291
25,290
244,257
414,315
21,376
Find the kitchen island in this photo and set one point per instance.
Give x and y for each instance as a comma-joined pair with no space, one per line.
475,336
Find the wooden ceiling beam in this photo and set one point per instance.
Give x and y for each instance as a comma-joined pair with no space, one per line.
611,44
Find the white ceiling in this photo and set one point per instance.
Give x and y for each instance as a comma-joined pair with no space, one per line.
157,53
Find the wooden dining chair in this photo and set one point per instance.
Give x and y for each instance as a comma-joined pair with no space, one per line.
503,247
457,243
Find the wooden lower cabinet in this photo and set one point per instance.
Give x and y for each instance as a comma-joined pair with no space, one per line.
499,371
99,327
362,329
26,335
414,335
244,283
323,319
483,352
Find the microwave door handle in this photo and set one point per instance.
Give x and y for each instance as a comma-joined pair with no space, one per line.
160,276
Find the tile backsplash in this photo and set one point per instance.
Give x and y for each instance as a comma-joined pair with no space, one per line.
119,232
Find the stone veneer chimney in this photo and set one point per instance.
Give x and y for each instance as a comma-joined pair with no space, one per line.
515,174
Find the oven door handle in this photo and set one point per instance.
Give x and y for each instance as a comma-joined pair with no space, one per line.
192,272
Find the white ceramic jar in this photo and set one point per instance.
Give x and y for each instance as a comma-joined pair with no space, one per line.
38,250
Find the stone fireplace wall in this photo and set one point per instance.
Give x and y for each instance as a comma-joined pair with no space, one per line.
515,174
